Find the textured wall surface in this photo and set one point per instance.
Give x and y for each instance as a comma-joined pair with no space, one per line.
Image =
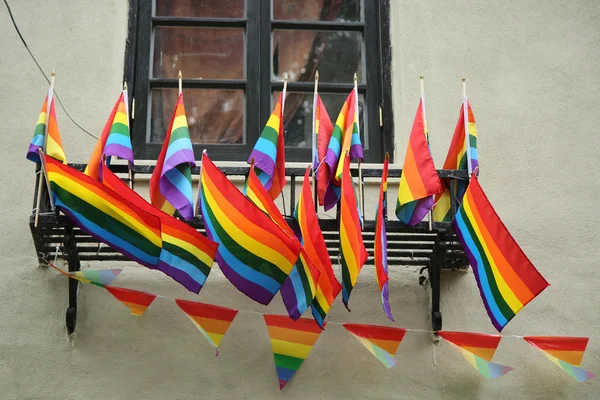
534,87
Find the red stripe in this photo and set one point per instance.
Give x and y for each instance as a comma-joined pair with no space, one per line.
131,296
94,162
382,276
376,332
558,342
458,142
470,339
196,309
259,190
302,324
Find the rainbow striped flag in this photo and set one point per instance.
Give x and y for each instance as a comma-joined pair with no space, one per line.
381,341
478,349
171,182
269,152
137,302
314,244
98,277
47,126
254,253
212,321
506,278
457,159
105,214
323,132
380,245
419,180
352,249
291,342
566,352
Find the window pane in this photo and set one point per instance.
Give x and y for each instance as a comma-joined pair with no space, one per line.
337,55
317,10
209,53
214,116
201,8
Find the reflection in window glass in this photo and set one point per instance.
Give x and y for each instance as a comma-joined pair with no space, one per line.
318,10
200,8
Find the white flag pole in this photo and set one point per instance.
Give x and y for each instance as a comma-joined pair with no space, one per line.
315,152
283,94
466,118
126,101
360,180
197,209
429,213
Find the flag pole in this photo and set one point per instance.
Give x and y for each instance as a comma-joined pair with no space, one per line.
126,101
422,78
466,118
197,209
315,153
360,180
43,160
283,94
180,77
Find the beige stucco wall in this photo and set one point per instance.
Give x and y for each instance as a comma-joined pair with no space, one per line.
533,82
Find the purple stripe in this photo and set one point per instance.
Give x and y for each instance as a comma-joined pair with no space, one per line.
120,151
421,209
176,198
263,162
180,276
288,295
32,153
331,198
385,295
180,157
356,151
331,159
250,289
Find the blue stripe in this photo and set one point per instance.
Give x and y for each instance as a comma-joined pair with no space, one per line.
285,373
37,140
178,263
356,139
335,146
474,154
180,144
181,182
117,138
316,315
264,178
266,147
296,280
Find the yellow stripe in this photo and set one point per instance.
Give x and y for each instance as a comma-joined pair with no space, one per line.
368,345
179,122
442,207
470,357
308,273
199,254
121,118
290,349
42,118
167,208
322,300
252,196
274,122
348,254
53,149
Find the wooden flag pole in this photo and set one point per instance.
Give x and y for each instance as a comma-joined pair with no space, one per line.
360,178
180,77
466,118
422,78
197,209
126,101
315,151
283,94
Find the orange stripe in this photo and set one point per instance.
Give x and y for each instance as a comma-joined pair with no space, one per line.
292,335
410,172
212,325
391,346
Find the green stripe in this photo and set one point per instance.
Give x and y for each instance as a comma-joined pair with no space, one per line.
302,271
39,129
187,256
473,141
337,133
483,366
319,309
181,132
270,134
186,170
119,128
346,281
288,361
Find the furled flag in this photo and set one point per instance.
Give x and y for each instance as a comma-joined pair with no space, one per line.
314,244
478,349
380,245
506,278
457,158
291,342
47,130
381,341
171,181
138,302
98,277
269,152
419,180
323,128
212,321
254,253
353,254
566,352
298,290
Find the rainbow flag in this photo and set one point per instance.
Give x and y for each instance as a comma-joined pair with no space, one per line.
478,349
254,253
380,245
566,352
212,321
457,159
171,181
323,130
314,244
419,180
137,302
269,152
98,277
352,250
506,278
381,341
105,214
47,126
291,342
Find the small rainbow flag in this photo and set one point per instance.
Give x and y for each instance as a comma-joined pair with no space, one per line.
478,349
47,127
212,321
507,280
98,277
323,132
138,302
566,352
380,245
171,181
381,341
291,342
254,253
419,180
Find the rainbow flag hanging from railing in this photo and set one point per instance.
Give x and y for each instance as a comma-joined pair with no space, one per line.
171,182
566,352
47,126
380,245
323,132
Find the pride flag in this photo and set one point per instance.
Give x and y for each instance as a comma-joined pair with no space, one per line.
291,342
254,253
380,245
137,302
171,181
47,126
419,180
269,152
98,277
506,278
381,341
566,352
323,129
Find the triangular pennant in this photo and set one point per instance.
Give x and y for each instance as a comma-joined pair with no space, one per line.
566,352
98,277
292,342
135,300
381,341
213,321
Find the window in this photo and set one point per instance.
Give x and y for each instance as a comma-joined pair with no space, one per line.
234,55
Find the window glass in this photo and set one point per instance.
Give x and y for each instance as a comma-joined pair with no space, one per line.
318,10
200,8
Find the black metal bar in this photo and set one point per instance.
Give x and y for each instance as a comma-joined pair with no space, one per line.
453,198
324,87
317,25
435,269
74,265
233,84
200,22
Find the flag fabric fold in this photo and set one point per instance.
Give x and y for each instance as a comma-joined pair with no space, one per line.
381,341
380,244
323,132
564,351
138,302
47,130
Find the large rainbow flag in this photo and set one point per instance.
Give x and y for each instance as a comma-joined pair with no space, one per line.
419,180
506,278
171,181
380,245
47,127
323,131
566,352
138,302
381,341
254,253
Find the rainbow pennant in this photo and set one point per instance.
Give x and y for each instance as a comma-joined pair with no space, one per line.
380,245
212,321
291,342
254,253
478,349
47,127
171,181
419,180
137,302
98,277
566,352
381,341
506,278
457,159
323,132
